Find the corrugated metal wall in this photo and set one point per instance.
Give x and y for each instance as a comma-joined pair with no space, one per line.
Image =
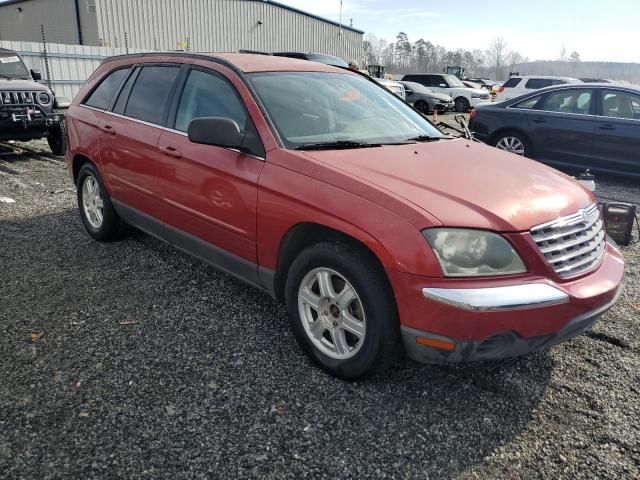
220,25
69,65
21,21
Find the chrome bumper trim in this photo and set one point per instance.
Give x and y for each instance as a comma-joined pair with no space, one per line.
529,295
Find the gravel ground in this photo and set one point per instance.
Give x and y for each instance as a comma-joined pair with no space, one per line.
133,360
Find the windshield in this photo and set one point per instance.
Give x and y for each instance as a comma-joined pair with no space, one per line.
11,66
453,81
318,107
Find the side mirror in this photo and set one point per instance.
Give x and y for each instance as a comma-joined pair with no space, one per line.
36,75
222,132
443,85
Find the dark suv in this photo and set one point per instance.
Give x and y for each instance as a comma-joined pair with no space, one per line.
29,110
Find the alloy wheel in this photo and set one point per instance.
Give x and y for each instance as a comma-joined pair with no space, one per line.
511,144
332,313
92,202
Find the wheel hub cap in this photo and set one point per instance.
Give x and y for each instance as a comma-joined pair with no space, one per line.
92,202
332,313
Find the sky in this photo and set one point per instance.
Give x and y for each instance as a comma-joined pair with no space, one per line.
598,30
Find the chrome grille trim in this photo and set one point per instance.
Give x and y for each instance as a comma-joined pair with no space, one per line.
19,98
574,243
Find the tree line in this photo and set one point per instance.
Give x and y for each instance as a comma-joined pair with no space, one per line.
404,56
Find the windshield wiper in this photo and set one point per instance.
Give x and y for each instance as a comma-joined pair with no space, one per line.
338,144
424,138
8,77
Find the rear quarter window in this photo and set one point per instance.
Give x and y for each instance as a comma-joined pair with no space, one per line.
536,83
103,94
512,82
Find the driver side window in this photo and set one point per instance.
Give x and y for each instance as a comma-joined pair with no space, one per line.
208,95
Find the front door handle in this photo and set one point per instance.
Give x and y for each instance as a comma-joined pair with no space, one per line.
170,151
606,126
108,129
539,120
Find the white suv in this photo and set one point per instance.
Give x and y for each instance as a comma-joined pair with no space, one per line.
519,85
464,98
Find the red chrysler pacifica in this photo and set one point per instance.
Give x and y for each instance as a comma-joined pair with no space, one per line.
380,234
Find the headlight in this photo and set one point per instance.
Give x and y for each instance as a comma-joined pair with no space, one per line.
44,98
473,253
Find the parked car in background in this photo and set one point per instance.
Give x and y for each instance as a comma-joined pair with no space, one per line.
595,126
464,97
396,87
519,85
484,83
314,57
379,233
425,100
470,84
28,109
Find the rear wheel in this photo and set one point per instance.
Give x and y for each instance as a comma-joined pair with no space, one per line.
342,310
515,143
462,105
96,210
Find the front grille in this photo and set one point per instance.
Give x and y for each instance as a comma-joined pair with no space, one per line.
19,98
574,243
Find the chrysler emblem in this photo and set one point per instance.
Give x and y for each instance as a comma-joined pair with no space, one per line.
585,216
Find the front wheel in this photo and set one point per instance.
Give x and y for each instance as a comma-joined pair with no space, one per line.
57,139
422,107
342,310
462,105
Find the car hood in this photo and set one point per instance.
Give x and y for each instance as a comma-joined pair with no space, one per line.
463,183
18,84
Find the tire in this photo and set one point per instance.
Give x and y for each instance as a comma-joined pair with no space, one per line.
106,226
462,105
514,142
370,310
57,139
422,107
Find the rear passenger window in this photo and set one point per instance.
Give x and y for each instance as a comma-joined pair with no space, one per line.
208,95
102,96
512,82
150,94
575,101
536,83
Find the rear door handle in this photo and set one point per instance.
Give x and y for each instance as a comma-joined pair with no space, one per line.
170,151
606,126
539,120
108,129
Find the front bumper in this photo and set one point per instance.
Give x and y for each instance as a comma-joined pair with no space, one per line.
429,348
454,320
27,123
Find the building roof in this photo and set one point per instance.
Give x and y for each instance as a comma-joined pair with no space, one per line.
268,2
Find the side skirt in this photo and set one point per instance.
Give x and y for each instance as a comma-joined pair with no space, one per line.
238,267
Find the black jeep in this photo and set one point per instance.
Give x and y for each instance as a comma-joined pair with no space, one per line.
29,110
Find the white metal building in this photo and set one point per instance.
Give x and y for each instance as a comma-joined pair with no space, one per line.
196,25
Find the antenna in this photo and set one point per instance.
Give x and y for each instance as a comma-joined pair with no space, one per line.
340,34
